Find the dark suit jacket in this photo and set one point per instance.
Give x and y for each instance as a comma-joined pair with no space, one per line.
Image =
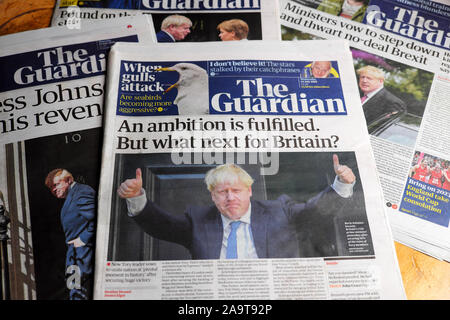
273,225
162,36
78,220
381,105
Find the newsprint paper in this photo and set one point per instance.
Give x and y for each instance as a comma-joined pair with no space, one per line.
182,20
228,174
401,55
51,106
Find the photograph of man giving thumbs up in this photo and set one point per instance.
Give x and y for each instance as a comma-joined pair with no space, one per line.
235,226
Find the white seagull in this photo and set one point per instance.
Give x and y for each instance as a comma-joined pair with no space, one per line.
192,97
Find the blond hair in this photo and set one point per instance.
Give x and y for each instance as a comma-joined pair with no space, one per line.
227,173
66,175
373,71
175,20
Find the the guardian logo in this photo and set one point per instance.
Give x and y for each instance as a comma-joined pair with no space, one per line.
259,97
200,4
60,64
411,24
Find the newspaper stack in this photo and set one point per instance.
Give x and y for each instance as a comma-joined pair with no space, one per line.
181,20
66,122
51,107
401,55
239,176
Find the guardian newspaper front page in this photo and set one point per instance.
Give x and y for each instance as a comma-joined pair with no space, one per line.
51,106
231,173
401,56
183,20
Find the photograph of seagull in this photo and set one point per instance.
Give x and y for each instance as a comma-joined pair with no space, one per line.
192,86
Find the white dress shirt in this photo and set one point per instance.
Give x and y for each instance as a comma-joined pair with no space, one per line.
244,238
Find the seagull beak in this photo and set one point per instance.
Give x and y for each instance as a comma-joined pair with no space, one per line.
164,69
172,86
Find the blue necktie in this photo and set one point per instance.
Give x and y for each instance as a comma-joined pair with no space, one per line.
232,243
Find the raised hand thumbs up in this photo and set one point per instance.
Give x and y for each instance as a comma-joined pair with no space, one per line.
131,187
139,176
344,173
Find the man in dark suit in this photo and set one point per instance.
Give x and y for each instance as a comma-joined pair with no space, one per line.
174,28
235,227
378,103
78,222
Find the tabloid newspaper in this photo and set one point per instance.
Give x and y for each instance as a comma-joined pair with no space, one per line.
183,20
51,106
228,173
401,55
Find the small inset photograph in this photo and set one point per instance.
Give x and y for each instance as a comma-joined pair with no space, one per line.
431,170
198,27
393,96
320,70
427,192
